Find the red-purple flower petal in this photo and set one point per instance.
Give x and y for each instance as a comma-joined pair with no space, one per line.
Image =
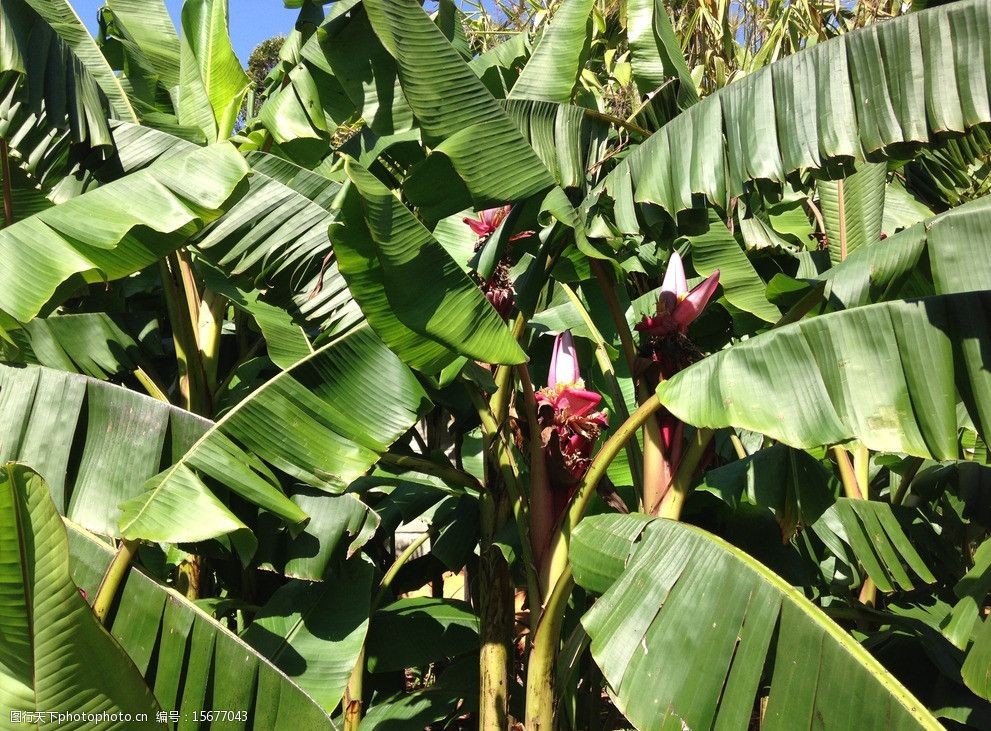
695,301
488,220
577,401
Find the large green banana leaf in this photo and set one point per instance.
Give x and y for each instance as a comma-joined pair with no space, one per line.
55,656
427,291
976,669
875,533
956,245
92,343
324,422
655,51
34,148
568,139
274,237
150,28
348,47
892,85
688,626
193,662
459,117
314,632
717,249
122,439
553,68
116,229
888,375
46,41
212,82
797,488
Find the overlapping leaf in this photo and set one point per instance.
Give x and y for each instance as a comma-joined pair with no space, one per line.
552,70
122,439
459,117
117,228
55,656
889,85
314,632
324,422
193,661
428,291
888,375
667,579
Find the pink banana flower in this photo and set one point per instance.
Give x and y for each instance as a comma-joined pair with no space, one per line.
678,307
569,423
488,221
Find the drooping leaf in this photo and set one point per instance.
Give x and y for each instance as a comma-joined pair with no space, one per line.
743,288
122,439
427,290
570,142
459,117
274,238
91,343
55,656
656,54
117,228
552,70
324,422
665,580
150,27
876,535
976,669
336,522
194,662
46,40
888,375
773,126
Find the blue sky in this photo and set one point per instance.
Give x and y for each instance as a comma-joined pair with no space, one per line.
252,21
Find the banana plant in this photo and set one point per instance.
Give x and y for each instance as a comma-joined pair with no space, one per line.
579,364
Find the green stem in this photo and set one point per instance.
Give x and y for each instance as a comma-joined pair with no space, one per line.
393,570
741,451
541,702
656,473
541,502
586,489
522,508
855,488
153,389
496,610
211,325
113,577
192,384
540,699
499,403
352,702
674,501
496,624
